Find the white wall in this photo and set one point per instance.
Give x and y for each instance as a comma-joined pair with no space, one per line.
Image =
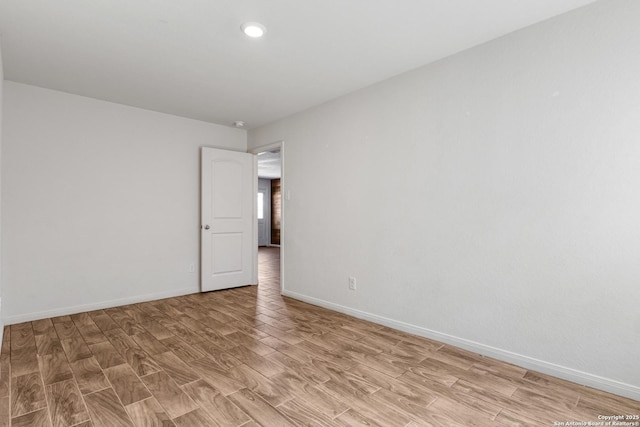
489,200
100,202
1,259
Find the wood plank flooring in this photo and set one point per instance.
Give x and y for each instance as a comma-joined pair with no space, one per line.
249,357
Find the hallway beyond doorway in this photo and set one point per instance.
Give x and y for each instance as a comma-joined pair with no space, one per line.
269,269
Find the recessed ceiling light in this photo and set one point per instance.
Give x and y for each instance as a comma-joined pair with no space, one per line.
253,29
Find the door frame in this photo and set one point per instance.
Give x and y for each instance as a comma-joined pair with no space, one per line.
283,191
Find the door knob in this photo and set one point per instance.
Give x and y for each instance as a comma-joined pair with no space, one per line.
206,227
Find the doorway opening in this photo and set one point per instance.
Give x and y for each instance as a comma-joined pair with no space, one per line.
270,216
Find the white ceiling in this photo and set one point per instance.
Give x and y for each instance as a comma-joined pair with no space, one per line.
189,57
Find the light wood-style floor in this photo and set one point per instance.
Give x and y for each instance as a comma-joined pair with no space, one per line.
247,357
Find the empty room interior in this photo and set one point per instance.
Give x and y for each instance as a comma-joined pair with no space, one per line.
332,213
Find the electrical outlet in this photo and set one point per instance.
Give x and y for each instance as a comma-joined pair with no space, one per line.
352,283
192,267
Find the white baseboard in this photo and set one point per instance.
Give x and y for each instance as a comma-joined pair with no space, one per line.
579,377
28,317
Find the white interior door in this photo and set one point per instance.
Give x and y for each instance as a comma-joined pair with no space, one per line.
228,204
264,211
262,227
